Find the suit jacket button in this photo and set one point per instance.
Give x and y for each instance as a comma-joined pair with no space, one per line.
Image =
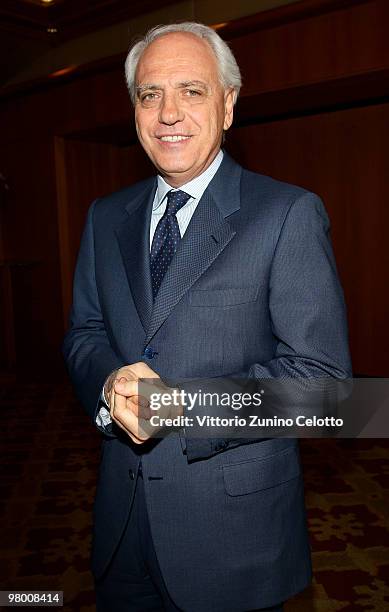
131,474
149,353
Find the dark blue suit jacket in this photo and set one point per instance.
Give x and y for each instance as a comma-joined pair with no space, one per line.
252,290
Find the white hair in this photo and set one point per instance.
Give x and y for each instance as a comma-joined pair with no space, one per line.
229,73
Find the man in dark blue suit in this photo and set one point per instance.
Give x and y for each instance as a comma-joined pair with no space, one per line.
205,271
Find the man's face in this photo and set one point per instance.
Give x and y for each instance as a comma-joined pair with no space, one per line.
181,108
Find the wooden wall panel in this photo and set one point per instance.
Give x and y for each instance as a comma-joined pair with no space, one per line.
320,47
310,49
31,243
63,108
86,171
94,170
343,157
63,146
133,165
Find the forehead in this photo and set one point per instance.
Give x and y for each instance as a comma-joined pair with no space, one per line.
177,54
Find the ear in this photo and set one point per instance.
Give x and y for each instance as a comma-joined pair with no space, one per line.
229,96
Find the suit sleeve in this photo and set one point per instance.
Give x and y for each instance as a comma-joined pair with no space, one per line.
307,311
86,348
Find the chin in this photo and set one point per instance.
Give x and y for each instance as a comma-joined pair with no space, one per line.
176,161
172,169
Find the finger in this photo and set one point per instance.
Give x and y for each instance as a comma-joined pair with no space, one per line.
136,371
140,392
142,370
111,401
152,390
127,420
139,406
128,433
126,387
118,402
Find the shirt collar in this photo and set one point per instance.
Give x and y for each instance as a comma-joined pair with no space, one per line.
195,188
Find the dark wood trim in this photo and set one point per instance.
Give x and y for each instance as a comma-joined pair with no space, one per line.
105,64
233,29
284,14
25,12
325,96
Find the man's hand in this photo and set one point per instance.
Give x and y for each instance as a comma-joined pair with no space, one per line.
131,374
130,410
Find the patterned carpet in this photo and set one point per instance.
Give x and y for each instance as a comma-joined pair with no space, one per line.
48,468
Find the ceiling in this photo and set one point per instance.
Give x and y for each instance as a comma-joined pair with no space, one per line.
34,29
33,18
28,28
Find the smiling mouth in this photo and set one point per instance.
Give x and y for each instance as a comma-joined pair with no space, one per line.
175,138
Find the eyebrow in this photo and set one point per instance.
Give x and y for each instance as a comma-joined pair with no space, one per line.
147,87
192,84
180,85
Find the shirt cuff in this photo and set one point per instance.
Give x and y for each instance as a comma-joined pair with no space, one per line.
103,418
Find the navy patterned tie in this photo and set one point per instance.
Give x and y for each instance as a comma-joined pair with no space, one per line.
166,238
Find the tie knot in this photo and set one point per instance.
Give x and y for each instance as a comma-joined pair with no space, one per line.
175,201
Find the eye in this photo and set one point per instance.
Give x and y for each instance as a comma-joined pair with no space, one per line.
148,97
192,93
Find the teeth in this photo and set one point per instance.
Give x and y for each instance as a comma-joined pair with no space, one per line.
174,138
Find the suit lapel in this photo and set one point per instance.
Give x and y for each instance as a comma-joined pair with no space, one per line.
206,237
133,235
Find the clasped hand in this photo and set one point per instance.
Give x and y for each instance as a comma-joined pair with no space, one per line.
131,410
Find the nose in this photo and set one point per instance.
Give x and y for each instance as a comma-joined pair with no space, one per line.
170,111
